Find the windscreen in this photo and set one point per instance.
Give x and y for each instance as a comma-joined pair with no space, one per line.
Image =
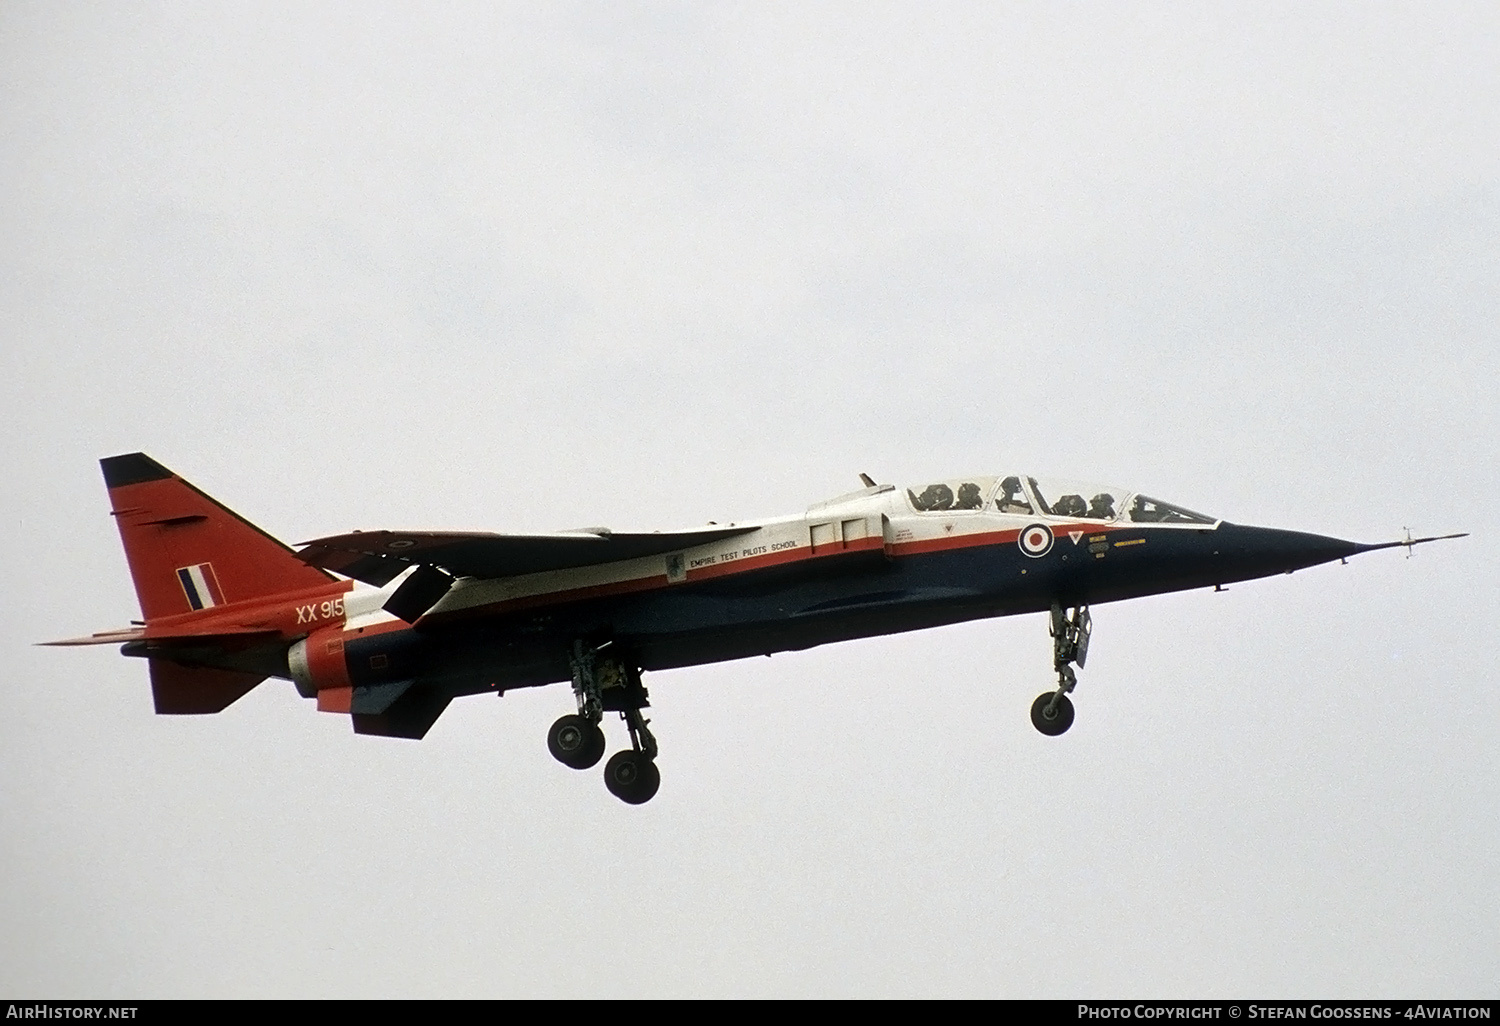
1146,510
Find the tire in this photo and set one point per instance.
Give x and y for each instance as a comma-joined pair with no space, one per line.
632,777
1061,718
575,742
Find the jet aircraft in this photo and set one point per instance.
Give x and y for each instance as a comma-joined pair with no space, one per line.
414,619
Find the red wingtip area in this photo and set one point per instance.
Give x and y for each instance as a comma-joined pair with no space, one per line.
189,552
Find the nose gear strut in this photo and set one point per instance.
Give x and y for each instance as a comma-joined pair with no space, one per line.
1052,712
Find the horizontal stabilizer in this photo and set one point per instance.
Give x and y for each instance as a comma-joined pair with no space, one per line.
195,690
377,557
115,637
180,632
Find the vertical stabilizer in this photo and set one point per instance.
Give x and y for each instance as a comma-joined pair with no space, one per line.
188,552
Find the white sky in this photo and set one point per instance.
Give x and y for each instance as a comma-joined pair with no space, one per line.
538,266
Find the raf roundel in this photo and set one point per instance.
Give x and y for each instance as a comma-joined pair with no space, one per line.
1035,540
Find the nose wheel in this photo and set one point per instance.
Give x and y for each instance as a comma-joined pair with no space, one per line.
1052,712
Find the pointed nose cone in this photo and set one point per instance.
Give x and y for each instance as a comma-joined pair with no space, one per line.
1261,551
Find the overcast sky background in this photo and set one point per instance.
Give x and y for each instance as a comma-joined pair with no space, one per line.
537,266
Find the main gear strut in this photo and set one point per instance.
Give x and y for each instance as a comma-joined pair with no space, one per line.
576,740
605,681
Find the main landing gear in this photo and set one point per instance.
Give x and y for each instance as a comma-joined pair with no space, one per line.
1052,712
603,682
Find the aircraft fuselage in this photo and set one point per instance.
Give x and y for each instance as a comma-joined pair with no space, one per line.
880,568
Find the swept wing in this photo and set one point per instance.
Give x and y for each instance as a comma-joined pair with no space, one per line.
378,557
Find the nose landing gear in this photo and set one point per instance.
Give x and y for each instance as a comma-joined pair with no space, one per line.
606,683
1052,712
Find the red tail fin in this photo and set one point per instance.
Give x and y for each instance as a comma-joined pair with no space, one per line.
187,551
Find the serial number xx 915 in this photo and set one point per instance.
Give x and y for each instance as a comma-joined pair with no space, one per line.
327,610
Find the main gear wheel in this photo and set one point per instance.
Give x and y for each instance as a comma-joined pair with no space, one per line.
632,777
575,742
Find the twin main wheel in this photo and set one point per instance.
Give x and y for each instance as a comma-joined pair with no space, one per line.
631,776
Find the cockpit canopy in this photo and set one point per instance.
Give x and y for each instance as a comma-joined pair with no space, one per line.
1049,497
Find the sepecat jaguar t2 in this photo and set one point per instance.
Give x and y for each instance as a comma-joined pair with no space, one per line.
388,627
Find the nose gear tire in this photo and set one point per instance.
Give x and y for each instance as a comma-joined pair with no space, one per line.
1057,720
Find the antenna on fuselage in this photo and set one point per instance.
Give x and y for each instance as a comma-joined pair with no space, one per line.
867,482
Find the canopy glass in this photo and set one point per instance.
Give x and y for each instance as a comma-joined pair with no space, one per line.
1049,497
